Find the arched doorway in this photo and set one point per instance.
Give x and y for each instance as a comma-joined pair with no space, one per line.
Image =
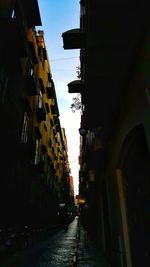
135,166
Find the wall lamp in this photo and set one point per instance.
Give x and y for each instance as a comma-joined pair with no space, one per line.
82,131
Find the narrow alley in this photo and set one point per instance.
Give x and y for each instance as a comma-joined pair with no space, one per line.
106,183
67,249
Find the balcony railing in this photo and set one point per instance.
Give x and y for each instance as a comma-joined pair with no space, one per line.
47,108
33,53
31,85
73,39
56,119
6,4
31,10
12,37
42,88
27,107
53,110
41,114
37,132
76,86
49,92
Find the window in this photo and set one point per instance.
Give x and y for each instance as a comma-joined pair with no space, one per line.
40,104
30,69
25,129
13,14
3,85
37,152
49,84
41,56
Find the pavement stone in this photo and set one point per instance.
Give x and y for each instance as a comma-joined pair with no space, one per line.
89,255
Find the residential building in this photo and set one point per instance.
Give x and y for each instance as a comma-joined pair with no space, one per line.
115,135
33,156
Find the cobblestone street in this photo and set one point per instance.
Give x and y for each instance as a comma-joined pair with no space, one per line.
60,249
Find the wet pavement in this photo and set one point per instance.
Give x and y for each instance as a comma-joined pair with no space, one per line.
89,255
62,249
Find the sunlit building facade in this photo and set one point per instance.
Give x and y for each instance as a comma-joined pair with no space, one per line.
34,162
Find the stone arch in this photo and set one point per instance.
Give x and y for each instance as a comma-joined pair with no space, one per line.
134,163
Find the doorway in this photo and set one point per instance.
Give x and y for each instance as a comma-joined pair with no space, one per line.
136,181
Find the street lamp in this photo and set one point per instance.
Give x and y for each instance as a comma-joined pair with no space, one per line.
82,131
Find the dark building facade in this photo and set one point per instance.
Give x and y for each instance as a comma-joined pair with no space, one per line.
34,177
113,39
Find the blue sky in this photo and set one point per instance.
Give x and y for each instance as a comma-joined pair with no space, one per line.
57,17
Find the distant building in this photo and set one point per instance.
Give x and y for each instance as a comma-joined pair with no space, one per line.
71,183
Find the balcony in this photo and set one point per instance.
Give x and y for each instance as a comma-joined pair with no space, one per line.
31,10
56,120
47,108
49,77
7,9
49,92
31,85
42,88
50,143
76,86
12,37
6,4
27,107
57,128
44,149
74,39
53,110
33,53
44,54
37,132
41,114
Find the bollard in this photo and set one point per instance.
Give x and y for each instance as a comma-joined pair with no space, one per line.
75,261
77,245
76,250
